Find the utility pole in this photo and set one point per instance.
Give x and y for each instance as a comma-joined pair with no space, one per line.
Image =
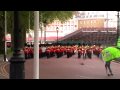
29,21
57,34
36,46
118,32
45,35
5,33
41,27
107,37
17,70
29,35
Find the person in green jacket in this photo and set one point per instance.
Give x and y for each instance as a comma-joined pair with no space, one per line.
109,54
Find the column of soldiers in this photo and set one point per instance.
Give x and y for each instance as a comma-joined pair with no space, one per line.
88,51
60,50
28,51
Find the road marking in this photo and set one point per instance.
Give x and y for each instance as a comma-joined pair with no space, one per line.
86,77
3,71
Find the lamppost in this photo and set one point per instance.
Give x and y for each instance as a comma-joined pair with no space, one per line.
118,32
45,34
17,70
57,34
107,36
36,46
5,43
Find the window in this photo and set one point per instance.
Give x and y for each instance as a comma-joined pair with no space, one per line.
94,21
91,21
102,15
90,15
87,22
95,15
84,22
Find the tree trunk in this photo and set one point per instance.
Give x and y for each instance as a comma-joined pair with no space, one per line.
12,40
1,41
2,38
44,33
41,34
24,37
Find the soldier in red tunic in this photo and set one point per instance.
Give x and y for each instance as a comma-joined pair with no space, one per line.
57,52
40,52
31,52
26,52
84,53
68,52
48,52
79,52
89,52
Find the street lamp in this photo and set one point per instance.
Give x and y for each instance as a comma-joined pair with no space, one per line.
5,43
57,34
17,70
107,37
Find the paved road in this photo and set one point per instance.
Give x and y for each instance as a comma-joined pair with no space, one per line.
66,68
3,70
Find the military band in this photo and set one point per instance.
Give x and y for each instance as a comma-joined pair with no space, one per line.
48,51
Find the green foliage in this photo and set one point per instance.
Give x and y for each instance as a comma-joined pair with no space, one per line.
1,32
49,16
9,21
9,51
46,17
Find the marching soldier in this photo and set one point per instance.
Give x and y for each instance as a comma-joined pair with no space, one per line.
68,53
43,49
89,53
58,52
48,52
84,52
26,52
30,52
79,52
40,52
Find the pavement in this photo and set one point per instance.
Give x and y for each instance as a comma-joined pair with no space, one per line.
3,70
4,66
73,68
66,68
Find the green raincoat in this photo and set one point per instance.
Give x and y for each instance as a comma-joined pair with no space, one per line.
110,53
118,43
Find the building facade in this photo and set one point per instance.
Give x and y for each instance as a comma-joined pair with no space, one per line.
63,28
97,19
83,19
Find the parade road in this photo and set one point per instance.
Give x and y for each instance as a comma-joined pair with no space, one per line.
67,68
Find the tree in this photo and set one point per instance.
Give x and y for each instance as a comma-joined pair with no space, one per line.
47,17
2,38
24,25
